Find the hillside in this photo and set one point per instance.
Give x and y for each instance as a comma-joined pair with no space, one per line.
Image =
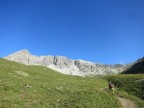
24,86
133,84
137,68
65,65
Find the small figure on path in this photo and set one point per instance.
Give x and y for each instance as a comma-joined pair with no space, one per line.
111,87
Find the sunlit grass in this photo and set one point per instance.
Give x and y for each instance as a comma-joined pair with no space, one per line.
24,86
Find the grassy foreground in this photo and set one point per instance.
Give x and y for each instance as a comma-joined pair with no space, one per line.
24,86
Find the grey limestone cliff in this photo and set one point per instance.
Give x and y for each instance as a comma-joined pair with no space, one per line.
65,65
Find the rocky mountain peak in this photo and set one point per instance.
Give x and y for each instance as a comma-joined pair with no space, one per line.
21,56
24,51
65,65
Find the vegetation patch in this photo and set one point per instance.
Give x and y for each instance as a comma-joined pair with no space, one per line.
129,86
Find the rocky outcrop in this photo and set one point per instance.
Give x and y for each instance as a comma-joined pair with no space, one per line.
65,65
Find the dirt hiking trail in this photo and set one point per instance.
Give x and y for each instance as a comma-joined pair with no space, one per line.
125,103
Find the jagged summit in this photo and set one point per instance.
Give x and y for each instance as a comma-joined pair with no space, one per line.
65,65
24,51
19,56
21,52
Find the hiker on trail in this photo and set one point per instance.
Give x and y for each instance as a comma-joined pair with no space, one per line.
111,87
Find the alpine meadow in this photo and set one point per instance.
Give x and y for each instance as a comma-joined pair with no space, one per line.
24,86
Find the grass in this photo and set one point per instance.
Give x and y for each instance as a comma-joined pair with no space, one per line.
129,86
23,86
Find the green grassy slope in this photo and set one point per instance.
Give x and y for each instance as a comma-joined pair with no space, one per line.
24,86
132,83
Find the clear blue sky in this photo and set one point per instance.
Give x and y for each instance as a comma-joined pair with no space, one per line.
104,31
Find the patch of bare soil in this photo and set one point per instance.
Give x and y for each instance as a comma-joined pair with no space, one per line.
125,103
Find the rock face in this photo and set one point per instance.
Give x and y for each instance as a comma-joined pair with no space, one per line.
65,65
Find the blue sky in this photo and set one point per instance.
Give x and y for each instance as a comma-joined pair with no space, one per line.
103,31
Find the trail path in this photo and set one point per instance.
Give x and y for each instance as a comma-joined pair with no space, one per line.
126,103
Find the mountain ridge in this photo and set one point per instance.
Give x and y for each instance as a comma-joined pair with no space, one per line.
136,68
65,65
